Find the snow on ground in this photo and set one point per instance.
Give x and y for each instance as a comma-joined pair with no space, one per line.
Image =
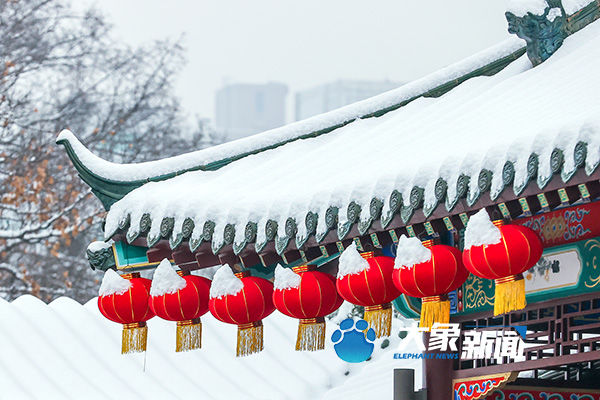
480,124
65,350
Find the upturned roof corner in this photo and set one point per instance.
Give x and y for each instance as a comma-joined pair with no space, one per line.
106,190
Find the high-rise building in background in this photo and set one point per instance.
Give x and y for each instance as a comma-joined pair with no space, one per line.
243,109
337,94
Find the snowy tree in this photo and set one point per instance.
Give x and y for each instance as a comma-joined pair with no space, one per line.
60,68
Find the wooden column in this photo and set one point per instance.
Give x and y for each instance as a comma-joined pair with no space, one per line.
438,375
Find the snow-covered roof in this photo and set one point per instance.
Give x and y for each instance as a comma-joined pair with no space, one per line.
537,7
490,133
65,350
489,124
205,158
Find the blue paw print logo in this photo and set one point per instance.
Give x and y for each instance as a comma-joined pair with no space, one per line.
353,341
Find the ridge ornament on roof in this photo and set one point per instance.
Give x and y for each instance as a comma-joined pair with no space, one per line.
544,25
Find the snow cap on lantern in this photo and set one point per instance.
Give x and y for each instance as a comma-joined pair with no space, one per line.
181,297
242,300
366,280
430,272
351,262
481,231
124,299
309,295
113,284
501,252
225,283
410,251
286,278
166,280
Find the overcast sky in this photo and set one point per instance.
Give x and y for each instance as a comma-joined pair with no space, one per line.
304,43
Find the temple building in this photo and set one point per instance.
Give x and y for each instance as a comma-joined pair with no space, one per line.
512,132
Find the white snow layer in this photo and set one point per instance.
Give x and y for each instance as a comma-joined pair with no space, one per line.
166,280
483,123
521,7
553,14
65,350
481,231
572,6
285,278
537,7
410,252
99,245
112,283
351,262
225,283
126,172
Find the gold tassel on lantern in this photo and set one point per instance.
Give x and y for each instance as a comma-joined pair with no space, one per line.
379,318
434,309
189,335
510,294
250,339
135,337
311,334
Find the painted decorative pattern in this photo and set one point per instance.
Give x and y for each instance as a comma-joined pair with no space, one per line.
542,394
593,279
479,387
566,225
575,227
478,293
564,270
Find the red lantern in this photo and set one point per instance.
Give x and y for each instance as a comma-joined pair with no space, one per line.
309,297
369,284
184,303
517,249
432,279
124,299
242,300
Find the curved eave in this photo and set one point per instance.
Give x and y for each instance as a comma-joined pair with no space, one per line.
106,190
110,191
